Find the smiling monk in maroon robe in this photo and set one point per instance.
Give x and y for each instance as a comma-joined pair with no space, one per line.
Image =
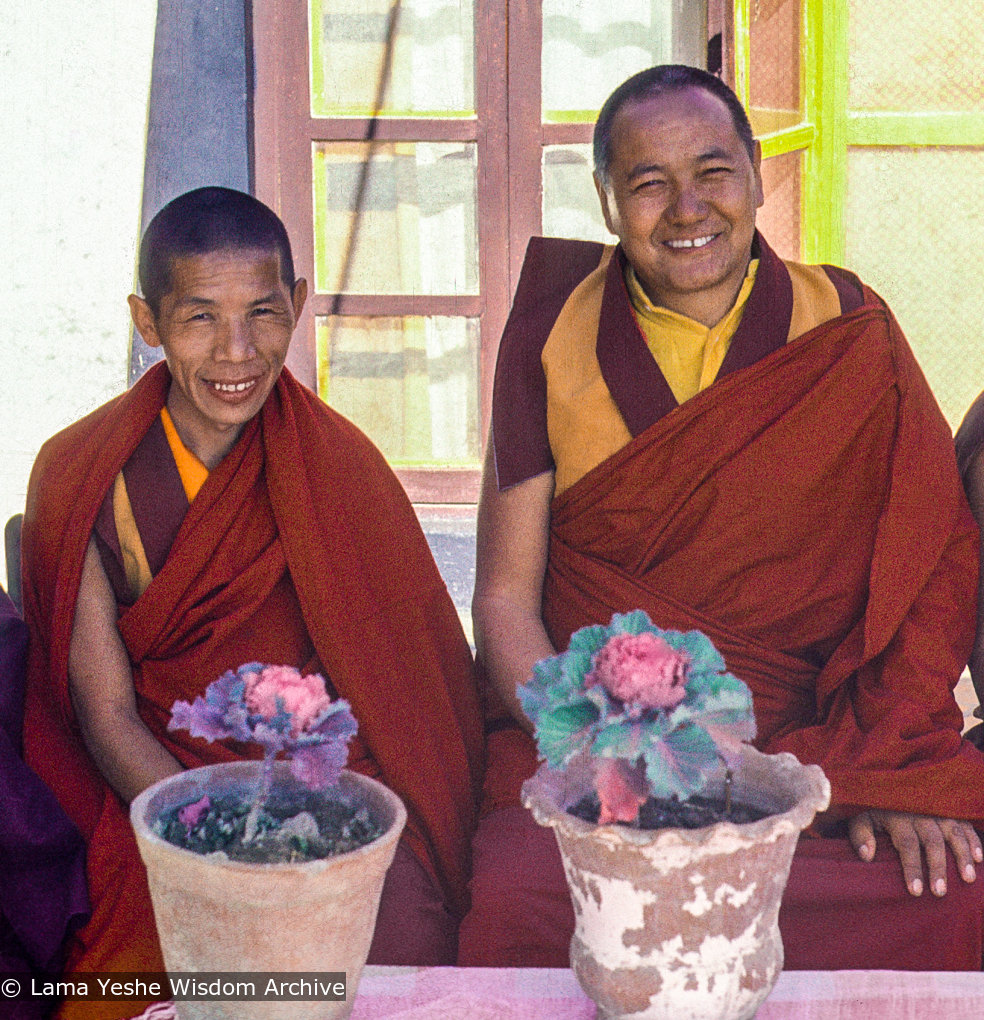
689,425
219,513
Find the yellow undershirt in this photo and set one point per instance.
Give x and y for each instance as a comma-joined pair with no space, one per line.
192,471
689,354
584,424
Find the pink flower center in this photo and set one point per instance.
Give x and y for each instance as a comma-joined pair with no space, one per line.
304,698
641,670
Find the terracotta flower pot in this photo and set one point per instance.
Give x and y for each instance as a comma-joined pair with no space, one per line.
677,924
215,915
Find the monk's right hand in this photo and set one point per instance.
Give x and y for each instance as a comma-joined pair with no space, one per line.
914,835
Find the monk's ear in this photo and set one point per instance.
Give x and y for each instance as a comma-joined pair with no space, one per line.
144,320
604,196
298,297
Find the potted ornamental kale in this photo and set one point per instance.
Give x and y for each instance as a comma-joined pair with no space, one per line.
273,865
676,834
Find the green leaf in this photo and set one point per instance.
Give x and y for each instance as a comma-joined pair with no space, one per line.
618,740
704,657
547,671
636,622
574,666
730,711
563,732
680,763
587,640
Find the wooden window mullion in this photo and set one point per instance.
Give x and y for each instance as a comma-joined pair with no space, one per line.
394,129
567,134
283,148
525,130
492,110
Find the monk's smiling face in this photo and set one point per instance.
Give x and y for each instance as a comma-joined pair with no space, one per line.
225,326
681,195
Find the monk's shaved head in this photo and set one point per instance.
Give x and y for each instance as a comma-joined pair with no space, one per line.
203,221
655,81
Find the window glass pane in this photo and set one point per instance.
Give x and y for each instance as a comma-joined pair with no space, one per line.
775,72
779,217
898,215
605,41
915,56
570,202
432,69
415,232
410,383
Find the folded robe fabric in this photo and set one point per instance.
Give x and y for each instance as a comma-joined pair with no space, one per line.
301,491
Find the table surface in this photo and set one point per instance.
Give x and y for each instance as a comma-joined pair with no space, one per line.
449,993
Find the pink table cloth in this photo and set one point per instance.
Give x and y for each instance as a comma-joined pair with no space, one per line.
449,993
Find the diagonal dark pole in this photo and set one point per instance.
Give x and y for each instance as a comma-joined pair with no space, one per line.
371,133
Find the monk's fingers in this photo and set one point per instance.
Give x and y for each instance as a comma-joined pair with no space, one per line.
963,840
933,842
976,844
919,837
861,833
901,829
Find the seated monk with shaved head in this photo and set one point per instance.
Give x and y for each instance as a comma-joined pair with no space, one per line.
688,424
219,513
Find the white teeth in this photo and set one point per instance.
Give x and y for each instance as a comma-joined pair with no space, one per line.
697,242
232,387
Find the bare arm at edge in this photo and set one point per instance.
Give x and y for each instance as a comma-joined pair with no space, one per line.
975,496
510,564
127,754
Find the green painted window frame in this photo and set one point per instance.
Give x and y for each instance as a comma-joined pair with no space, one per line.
820,133
828,128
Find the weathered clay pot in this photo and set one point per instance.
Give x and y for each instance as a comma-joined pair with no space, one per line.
215,915
679,924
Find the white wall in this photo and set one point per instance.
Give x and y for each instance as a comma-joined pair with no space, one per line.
74,84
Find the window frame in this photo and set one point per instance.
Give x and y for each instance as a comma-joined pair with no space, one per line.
285,132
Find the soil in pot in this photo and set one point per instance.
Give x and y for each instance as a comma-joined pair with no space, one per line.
672,813
292,827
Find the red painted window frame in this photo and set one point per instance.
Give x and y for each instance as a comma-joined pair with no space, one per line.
508,190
